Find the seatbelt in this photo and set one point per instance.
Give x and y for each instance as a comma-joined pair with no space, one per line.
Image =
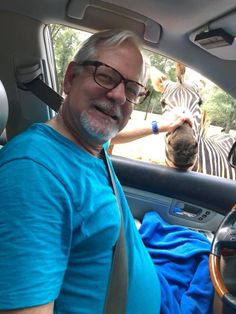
116,297
45,93
31,78
118,285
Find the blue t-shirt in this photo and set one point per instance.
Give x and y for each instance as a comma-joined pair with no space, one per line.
59,223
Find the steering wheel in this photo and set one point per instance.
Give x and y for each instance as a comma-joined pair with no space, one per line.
225,237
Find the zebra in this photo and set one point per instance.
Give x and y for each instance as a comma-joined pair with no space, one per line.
189,148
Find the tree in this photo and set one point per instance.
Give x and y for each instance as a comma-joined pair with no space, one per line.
66,41
165,65
221,108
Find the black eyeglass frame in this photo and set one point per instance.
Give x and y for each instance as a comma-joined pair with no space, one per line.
96,64
232,151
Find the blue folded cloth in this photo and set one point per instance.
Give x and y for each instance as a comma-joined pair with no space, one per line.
180,256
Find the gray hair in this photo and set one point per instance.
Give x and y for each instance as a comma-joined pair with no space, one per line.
107,38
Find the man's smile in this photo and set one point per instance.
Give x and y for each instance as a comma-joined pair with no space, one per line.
108,111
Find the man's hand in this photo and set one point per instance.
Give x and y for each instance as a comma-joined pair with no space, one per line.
173,119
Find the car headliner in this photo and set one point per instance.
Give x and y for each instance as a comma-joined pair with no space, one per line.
178,20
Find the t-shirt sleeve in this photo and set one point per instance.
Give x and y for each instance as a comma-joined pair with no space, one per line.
35,234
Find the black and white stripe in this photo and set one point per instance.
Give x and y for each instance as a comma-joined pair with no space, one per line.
212,150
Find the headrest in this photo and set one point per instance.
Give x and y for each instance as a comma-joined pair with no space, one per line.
3,108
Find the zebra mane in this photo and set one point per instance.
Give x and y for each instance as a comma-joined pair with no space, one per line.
204,123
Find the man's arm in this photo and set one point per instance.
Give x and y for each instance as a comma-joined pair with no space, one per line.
33,237
168,123
43,309
133,134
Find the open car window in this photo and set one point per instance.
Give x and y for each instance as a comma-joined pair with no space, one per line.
216,108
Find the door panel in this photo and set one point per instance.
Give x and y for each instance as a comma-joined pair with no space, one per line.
186,198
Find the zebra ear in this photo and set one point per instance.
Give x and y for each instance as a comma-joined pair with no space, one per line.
158,79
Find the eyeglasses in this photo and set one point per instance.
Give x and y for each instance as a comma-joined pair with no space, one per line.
232,156
109,78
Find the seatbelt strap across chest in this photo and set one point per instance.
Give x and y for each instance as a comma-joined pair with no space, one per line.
118,286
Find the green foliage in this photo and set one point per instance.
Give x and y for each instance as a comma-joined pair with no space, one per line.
66,41
151,103
167,67
163,64
221,108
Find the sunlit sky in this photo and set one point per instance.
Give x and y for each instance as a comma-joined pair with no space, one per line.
196,77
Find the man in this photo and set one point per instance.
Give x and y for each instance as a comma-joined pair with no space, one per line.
59,216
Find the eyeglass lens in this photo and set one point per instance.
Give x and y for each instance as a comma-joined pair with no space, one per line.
108,78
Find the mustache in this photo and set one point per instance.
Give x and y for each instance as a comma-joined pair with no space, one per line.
110,109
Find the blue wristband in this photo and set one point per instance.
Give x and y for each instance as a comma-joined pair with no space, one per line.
155,127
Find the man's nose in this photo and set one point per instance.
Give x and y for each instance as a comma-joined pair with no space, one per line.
117,94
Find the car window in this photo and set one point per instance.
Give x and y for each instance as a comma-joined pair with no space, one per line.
218,109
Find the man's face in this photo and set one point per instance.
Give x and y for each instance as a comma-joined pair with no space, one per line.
97,114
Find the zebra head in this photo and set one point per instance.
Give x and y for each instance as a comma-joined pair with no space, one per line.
183,96
182,144
186,147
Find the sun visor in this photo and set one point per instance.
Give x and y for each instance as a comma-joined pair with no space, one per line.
218,37
98,15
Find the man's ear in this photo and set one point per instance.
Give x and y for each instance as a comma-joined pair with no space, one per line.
69,77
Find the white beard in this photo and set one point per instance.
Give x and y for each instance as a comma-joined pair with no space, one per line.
96,130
